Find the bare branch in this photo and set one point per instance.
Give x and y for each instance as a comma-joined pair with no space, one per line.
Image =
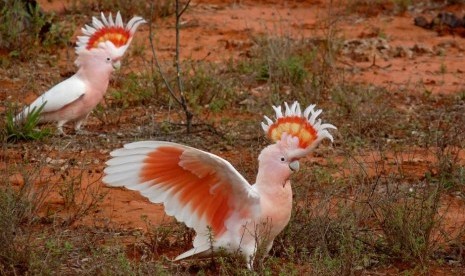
187,112
155,58
181,100
184,9
178,41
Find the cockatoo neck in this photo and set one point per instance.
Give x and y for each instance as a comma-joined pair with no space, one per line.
274,188
96,75
269,183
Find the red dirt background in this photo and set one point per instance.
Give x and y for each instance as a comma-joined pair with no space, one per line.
216,30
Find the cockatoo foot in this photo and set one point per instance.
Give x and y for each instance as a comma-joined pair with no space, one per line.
60,132
83,132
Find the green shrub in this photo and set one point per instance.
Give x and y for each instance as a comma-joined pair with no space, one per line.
25,129
25,29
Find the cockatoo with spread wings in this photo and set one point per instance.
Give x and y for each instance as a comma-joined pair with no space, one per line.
209,195
99,52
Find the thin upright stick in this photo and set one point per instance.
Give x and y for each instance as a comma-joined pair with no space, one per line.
187,112
157,63
181,100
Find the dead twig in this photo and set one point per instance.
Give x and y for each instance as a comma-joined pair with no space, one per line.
181,99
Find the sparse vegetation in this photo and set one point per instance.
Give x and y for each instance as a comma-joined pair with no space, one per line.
387,196
25,29
176,90
162,8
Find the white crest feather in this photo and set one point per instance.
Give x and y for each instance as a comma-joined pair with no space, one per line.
98,24
294,126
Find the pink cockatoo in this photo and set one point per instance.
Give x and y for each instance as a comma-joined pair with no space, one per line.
99,52
209,195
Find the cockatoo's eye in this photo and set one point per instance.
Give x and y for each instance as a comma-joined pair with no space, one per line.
283,159
108,59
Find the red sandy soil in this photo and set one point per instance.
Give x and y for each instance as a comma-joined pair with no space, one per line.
217,30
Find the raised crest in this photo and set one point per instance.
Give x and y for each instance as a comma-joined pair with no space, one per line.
297,124
107,29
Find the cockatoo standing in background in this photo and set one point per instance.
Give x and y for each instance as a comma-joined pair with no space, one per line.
99,52
209,195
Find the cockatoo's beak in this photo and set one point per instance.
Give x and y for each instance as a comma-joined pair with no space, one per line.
117,65
294,166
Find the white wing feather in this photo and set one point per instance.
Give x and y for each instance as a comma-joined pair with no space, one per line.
57,97
123,170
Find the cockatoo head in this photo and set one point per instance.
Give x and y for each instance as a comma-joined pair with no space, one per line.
296,133
106,35
275,158
100,59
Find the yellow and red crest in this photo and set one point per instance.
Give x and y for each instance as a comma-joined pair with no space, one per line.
117,35
107,30
297,124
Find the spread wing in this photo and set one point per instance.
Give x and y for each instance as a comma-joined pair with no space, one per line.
57,97
198,188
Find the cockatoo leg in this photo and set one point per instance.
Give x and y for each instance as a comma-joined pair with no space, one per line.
265,254
77,126
249,261
268,248
60,127
249,254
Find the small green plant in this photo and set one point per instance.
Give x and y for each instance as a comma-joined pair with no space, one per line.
80,196
133,90
21,200
24,29
280,61
165,235
364,114
206,89
13,211
25,128
290,68
408,219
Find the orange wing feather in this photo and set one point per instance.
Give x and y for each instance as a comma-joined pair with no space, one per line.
162,166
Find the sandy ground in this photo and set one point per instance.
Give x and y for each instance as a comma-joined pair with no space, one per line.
390,51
